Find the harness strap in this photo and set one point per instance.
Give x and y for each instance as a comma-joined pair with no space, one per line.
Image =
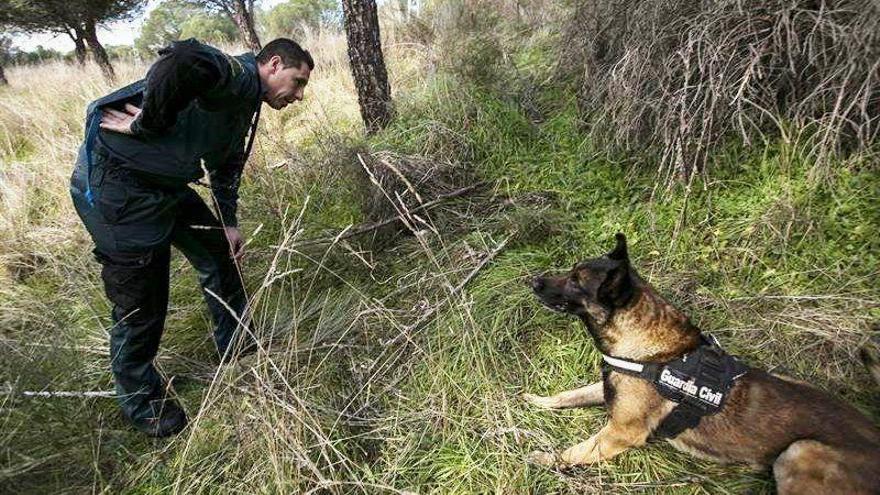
622,364
682,417
253,132
91,134
712,366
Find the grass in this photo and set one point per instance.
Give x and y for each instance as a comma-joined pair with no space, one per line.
779,266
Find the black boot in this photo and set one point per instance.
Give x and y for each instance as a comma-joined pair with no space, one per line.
237,350
167,419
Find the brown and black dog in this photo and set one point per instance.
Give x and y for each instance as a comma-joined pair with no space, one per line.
815,443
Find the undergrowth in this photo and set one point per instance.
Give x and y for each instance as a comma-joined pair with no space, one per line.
378,372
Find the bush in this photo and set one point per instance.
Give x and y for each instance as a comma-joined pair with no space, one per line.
681,76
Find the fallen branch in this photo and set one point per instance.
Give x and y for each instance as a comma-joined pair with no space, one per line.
409,330
425,318
365,228
86,394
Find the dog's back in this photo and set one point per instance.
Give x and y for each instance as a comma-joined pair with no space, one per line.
806,435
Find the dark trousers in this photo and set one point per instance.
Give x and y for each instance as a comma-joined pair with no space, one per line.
134,223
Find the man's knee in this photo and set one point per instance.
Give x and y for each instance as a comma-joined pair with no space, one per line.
132,283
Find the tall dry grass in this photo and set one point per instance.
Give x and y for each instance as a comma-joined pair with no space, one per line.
378,372
684,78
273,407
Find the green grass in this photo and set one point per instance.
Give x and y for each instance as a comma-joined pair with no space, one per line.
779,266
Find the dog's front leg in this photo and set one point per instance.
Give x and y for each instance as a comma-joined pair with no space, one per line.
591,395
611,440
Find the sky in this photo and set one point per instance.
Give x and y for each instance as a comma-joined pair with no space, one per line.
118,33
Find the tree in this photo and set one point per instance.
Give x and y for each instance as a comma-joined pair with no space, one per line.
5,51
76,18
289,18
367,63
241,12
174,20
29,17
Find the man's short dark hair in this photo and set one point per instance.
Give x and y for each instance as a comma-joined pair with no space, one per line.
292,55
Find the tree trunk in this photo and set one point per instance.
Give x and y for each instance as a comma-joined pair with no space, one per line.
244,19
3,81
367,63
98,52
79,45
80,48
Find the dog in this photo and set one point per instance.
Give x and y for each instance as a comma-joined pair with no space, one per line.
813,442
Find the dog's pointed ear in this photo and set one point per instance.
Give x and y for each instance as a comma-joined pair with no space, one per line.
619,253
617,289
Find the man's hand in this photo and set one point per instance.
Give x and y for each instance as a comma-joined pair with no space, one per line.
236,243
116,121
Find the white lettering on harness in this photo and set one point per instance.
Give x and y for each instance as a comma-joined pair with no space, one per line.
710,396
690,387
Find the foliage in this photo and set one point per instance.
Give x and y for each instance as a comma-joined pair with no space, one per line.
681,78
348,395
241,12
38,55
290,19
64,15
173,20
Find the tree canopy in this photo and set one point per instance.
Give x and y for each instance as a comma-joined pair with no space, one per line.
241,12
76,18
288,19
174,20
65,15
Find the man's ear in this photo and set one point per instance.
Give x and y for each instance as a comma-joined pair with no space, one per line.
619,252
276,63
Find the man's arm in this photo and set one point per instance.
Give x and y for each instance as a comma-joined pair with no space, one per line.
225,181
185,70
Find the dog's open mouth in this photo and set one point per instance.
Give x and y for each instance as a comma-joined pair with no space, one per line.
554,306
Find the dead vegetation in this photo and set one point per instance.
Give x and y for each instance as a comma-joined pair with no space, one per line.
684,77
395,366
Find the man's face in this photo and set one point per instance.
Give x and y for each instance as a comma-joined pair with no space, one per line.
284,85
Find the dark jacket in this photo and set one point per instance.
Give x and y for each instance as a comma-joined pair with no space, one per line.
198,105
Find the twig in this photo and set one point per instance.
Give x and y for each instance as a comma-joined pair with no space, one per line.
407,332
99,393
425,318
364,228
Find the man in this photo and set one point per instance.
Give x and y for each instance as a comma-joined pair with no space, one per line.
196,110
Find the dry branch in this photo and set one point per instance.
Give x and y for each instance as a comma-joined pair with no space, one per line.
429,315
683,78
369,227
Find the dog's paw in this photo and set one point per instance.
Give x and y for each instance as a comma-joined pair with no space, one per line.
542,402
539,458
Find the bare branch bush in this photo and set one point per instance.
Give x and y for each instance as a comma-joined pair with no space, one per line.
682,77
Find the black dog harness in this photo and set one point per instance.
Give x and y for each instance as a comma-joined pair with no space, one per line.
699,382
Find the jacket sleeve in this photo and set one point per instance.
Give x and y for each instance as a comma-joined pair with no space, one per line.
225,180
185,70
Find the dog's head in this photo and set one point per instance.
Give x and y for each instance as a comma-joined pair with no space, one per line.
593,290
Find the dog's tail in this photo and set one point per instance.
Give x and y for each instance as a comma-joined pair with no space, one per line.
872,362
